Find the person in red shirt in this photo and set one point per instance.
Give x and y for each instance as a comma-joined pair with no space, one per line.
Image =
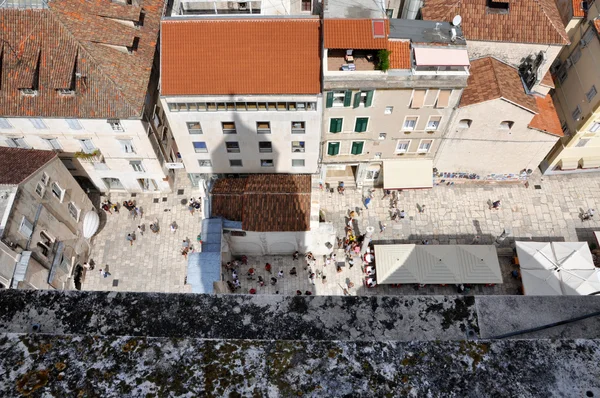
253,291
268,268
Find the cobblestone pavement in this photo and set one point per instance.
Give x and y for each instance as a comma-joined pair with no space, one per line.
154,262
452,215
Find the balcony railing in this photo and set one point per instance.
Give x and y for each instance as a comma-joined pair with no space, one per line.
89,157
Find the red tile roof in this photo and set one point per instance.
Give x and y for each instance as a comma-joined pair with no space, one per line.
66,47
597,25
400,54
577,9
355,34
527,21
547,80
17,164
546,120
491,79
240,56
264,202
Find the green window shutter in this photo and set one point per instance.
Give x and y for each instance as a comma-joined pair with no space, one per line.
329,101
357,148
335,126
348,98
369,98
333,148
361,124
356,100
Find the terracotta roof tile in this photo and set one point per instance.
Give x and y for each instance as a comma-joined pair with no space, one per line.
72,36
547,80
577,9
546,120
527,21
264,202
240,56
491,79
18,164
400,56
355,34
597,25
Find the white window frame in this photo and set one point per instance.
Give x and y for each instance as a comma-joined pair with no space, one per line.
25,222
339,94
439,122
53,143
45,178
84,145
263,130
126,145
62,191
591,93
299,160
398,150
363,98
38,123
74,124
17,143
115,125
192,130
595,127
299,130
407,118
388,110
229,130
71,206
421,142
374,175
352,143
5,124
301,148
204,165
137,166
41,188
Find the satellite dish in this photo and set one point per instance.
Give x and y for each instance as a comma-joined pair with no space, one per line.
456,20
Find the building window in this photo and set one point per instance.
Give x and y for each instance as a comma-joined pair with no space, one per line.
204,163
382,136
232,146
115,125
443,99
389,12
594,127
74,124
425,146
113,183
235,162
194,128
333,148
298,146
357,147
418,99
434,122
242,106
372,175
363,97
338,98
465,123
53,143
38,124
17,143
410,123
87,145
263,127
40,189
388,110
69,164
265,147
306,5
73,211
361,124
45,178
137,166
127,146
298,127
506,125
591,94
57,191
576,113
335,124
5,124
266,163
562,73
402,146
297,162
228,127
25,228
575,56
200,147
582,142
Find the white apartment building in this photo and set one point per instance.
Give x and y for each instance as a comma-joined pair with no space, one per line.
243,106
87,91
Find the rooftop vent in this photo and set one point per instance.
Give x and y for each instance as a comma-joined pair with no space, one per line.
497,6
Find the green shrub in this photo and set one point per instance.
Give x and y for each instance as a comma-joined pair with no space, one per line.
383,57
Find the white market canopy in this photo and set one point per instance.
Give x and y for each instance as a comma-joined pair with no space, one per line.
557,268
408,174
437,264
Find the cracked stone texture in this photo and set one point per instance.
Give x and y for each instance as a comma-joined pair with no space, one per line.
109,366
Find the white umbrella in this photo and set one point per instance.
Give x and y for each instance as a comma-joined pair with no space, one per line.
91,222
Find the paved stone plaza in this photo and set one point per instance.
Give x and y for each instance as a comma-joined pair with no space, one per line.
453,215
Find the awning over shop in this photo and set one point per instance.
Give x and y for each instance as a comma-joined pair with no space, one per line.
557,268
204,268
407,174
437,264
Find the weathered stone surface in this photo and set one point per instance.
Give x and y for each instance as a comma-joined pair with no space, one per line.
267,317
110,366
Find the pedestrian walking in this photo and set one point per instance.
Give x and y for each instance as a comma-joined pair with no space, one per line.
293,271
280,274
237,284
191,207
496,205
132,213
273,280
252,291
312,278
129,238
421,208
268,268
308,293
402,214
475,240
139,212
425,242
296,255
173,226
106,208
382,227
251,273
234,275
298,293
104,273
115,207
386,193
367,201
87,265
154,228
261,281
140,230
